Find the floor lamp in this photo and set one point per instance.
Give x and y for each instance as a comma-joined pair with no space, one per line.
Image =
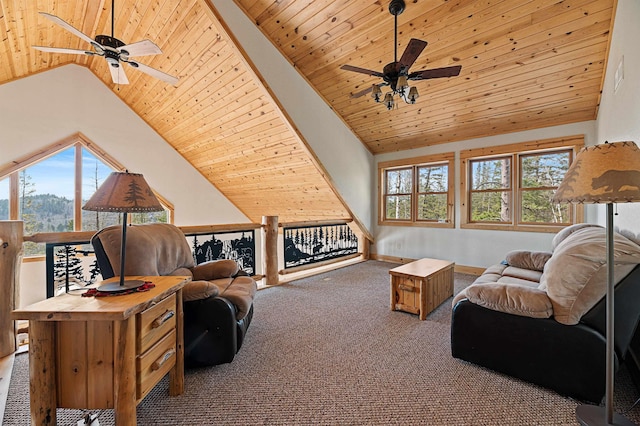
607,173
123,192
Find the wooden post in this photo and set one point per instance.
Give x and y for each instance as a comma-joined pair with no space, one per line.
11,233
270,234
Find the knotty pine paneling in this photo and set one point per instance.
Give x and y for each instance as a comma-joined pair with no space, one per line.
219,117
525,64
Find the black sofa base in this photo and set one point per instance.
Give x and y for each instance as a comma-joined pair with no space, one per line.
570,359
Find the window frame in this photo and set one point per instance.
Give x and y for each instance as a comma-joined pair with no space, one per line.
516,152
78,141
446,159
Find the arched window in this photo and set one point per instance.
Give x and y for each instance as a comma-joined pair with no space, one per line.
47,190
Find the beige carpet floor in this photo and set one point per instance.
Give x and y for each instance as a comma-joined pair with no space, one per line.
327,350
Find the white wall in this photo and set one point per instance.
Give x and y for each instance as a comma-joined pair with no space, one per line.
468,247
47,107
352,171
619,115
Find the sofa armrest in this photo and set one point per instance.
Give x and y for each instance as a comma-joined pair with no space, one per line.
511,298
533,260
212,270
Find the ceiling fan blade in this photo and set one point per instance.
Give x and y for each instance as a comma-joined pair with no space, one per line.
67,27
435,73
141,48
154,72
361,93
412,51
362,70
117,75
63,50
365,91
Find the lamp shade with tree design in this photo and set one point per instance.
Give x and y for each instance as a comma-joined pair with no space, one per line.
123,192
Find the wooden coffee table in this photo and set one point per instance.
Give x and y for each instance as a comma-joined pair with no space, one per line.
421,286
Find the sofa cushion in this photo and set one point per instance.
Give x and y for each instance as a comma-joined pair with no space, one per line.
565,232
152,249
575,277
531,260
511,298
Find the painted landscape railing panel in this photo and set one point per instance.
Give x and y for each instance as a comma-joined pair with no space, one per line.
304,245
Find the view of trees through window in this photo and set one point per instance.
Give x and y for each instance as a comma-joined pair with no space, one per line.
433,182
540,177
399,184
491,191
46,196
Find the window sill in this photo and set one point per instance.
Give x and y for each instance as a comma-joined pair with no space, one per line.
418,224
551,229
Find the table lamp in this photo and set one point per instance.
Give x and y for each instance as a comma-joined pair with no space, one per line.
607,173
123,192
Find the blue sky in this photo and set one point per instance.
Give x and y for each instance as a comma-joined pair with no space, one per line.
55,175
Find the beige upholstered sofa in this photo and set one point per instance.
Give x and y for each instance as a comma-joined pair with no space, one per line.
541,317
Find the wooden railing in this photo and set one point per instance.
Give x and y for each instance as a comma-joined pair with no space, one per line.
12,240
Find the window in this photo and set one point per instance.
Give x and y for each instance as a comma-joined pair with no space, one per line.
398,194
512,187
52,185
4,199
417,191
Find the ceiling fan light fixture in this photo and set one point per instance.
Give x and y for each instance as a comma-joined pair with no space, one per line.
402,83
376,93
413,95
388,100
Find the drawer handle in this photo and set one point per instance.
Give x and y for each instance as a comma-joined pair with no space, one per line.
408,288
162,319
164,358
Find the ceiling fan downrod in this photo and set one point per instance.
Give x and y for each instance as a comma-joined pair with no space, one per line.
396,7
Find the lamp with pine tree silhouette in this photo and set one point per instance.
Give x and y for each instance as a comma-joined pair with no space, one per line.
123,192
606,173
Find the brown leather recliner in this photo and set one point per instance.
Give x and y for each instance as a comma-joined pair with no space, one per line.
218,302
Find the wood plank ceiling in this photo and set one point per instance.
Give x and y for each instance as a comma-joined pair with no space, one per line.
219,116
525,64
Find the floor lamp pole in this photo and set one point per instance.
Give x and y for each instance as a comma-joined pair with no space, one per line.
591,415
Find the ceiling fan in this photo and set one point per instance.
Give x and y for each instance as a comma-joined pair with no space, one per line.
396,74
113,50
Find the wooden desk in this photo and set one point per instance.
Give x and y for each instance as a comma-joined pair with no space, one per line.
421,286
104,352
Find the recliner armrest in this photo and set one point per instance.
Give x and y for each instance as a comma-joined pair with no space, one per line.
224,268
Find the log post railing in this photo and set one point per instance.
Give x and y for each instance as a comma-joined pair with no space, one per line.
270,250
11,250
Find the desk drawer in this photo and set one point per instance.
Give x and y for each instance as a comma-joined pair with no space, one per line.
153,323
155,363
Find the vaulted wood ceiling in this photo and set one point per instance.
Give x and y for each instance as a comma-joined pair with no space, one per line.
525,64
